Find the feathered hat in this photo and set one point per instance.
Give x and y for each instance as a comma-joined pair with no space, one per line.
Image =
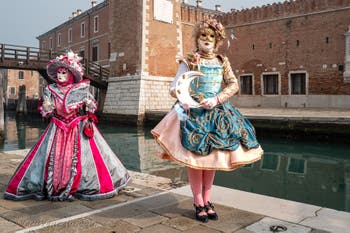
71,61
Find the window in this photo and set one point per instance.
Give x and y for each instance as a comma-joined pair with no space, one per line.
70,35
327,40
298,43
96,24
298,83
246,84
43,45
59,35
12,90
82,29
95,53
20,75
50,43
296,166
270,82
270,162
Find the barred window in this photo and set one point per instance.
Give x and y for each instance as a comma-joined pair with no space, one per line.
270,82
298,83
246,84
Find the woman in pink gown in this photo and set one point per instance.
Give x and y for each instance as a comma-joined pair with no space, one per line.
71,159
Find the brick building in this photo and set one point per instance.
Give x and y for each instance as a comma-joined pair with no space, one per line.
86,33
13,79
285,55
291,54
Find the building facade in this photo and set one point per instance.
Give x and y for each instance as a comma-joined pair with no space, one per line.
86,33
16,78
284,55
291,54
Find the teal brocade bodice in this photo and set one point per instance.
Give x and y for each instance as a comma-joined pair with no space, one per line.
221,128
208,85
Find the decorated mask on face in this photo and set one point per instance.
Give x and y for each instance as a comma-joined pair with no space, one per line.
206,40
62,74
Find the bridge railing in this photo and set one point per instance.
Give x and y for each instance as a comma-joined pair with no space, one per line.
23,54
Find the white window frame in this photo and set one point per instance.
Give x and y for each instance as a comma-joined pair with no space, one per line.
253,89
96,23
262,83
21,72
290,82
70,35
9,90
59,39
50,43
82,29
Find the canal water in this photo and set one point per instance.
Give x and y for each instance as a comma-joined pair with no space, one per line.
305,171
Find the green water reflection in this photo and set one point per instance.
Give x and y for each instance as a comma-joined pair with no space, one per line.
311,172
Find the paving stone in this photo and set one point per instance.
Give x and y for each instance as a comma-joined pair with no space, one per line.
146,219
7,226
114,215
162,201
121,227
106,202
182,208
3,210
16,205
264,226
243,231
201,229
143,192
27,220
159,228
319,231
182,223
79,225
68,211
231,219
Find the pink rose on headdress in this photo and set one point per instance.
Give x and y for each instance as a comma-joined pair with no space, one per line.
219,26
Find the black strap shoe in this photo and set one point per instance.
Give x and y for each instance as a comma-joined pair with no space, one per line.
213,215
201,209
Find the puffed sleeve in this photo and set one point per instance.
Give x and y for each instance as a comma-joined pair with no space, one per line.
230,81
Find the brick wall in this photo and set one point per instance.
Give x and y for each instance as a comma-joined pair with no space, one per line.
30,80
126,36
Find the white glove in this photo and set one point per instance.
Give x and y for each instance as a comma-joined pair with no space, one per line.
209,103
48,106
89,103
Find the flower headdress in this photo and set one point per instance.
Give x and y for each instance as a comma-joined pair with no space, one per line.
214,24
71,61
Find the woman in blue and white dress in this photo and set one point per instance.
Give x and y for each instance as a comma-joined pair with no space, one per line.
215,136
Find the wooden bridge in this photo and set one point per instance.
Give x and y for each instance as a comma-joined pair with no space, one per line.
30,58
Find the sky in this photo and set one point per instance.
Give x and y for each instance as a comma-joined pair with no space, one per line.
21,21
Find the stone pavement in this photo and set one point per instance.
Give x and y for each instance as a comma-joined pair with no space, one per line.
155,204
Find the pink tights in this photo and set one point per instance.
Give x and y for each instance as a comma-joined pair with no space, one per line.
201,182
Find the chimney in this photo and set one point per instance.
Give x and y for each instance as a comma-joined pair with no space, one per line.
199,3
185,1
218,7
74,14
93,3
79,12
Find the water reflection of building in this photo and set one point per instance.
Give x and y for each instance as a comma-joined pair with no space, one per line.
300,176
21,134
